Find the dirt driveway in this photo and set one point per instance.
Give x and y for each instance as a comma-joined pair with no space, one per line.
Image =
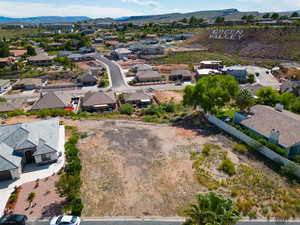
136,169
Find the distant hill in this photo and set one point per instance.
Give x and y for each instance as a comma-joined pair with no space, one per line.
209,14
44,19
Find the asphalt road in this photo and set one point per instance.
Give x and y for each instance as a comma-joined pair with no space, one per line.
117,78
157,222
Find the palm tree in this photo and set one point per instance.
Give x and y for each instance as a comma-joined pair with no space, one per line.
212,209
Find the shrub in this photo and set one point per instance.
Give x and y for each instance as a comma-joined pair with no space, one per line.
77,207
227,166
127,109
240,148
288,171
206,150
31,196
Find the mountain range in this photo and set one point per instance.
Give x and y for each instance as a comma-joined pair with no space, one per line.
44,19
209,14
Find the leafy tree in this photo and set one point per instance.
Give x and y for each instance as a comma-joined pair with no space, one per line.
275,16
251,78
286,99
184,20
294,106
188,98
212,209
267,96
4,49
212,92
127,109
30,50
267,15
193,21
219,20
244,100
283,18
295,14
63,61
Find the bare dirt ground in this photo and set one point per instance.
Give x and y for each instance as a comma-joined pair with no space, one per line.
167,96
167,68
130,63
136,169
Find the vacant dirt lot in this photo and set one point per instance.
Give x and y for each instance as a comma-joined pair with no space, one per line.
169,96
136,169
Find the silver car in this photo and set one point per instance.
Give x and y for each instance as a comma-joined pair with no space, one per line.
65,220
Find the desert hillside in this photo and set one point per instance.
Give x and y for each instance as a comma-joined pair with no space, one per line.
268,43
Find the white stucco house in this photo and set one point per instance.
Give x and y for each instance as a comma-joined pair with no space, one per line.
26,143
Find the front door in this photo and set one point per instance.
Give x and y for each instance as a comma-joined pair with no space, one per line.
29,157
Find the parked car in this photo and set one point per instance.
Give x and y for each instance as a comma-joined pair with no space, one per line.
14,219
65,220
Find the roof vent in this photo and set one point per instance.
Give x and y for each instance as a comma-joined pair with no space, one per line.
279,107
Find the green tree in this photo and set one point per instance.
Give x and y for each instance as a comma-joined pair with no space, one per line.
127,109
212,209
4,49
267,15
267,96
219,20
30,50
294,106
251,78
286,99
244,100
295,14
188,98
64,61
212,92
184,20
193,21
275,16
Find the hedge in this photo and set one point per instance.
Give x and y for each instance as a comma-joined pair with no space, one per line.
69,183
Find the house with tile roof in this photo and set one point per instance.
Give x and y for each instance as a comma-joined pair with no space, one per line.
26,143
277,125
98,102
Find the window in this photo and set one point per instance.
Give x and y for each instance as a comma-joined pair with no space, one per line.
46,157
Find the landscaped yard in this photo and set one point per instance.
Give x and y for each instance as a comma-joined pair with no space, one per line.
39,199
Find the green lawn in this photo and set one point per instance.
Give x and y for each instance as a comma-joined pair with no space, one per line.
196,57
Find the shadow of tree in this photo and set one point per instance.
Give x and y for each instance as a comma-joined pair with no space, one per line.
54,209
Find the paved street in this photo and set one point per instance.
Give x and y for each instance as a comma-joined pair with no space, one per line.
162,222
117,79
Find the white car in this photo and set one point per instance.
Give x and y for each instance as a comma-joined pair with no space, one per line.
65,220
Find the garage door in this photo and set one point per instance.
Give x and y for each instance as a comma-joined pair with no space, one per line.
5,175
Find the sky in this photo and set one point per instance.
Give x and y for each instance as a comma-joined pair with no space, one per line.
120,8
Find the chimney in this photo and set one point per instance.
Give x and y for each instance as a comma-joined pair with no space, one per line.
279,107
274,136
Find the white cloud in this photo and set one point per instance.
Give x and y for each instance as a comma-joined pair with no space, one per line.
143,2
27,9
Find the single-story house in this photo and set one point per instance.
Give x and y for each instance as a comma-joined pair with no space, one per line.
207,72
85,50
121,53
26,143
153,50
11,105
141,67
55,100
6,61
98,102
64,53
279,126
217,65
239,73
88,78
139,99
148,76
291,87
40,60
183,75
4,85
28,84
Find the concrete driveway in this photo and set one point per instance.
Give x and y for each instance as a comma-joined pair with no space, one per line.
33,172
264,79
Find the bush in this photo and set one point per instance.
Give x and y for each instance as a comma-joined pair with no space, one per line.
76,207
240,148
227,166
31,196
127,109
